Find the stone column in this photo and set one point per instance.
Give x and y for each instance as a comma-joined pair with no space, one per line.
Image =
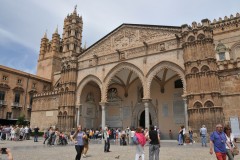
186,113
78,114
146,105
103,106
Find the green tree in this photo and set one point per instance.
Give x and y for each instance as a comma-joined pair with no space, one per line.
21,120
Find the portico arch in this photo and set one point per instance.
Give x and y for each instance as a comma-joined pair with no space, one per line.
165,86
119,67
160,66
84,82
88,97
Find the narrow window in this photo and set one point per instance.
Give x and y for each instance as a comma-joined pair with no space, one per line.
17,98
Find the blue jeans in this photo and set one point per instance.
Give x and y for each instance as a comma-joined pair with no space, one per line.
204,140
191,138
180,139
35,138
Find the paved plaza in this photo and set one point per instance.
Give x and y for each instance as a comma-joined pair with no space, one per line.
28,150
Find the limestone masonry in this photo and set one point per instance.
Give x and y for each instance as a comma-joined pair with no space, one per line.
137,74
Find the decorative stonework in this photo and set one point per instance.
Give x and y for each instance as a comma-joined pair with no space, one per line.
130,36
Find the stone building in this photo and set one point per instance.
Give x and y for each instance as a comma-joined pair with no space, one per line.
16,92
140,75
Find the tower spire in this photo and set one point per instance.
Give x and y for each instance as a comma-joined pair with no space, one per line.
45,34
75,9
56,31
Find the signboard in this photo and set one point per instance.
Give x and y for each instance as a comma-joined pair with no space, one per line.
235,126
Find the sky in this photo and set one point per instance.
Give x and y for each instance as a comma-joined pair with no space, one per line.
24,22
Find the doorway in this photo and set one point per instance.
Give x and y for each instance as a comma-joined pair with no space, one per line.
142,119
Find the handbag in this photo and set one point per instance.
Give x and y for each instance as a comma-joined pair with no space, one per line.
235,151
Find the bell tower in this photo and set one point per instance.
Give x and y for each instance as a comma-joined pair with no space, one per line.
72,40
49,60
203,87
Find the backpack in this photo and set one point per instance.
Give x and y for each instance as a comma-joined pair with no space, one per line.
135,140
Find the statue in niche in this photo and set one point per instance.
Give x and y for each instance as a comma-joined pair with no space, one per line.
112,95
90,97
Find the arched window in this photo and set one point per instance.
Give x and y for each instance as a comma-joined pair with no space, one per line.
65,113
197,105
191,38
194,70
60,113
178,83
235,52
200,37
221,49
205,68
208,104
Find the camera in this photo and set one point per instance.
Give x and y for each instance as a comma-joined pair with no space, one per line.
4,150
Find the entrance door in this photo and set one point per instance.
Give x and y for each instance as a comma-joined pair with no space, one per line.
142,119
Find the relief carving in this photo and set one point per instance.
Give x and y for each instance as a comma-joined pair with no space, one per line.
130,37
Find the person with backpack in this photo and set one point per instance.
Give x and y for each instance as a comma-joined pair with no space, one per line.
139,140
154,144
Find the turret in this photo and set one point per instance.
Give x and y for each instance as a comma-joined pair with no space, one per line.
72,41
72,34
43,47
203,86
55,43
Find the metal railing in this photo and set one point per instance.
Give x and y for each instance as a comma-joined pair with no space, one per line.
16,104
3,103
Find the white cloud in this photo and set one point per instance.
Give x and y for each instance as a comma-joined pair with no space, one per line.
8,37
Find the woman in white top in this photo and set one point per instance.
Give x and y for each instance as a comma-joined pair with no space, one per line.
230,139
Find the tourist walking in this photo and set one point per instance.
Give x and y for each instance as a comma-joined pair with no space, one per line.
106,140
47,134
86,146
141,139
180,136
230,140
218,141
78,140
203,134
154,144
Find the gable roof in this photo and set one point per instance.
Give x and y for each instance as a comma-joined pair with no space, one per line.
131,25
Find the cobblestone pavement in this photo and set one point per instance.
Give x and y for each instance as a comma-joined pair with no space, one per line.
28,150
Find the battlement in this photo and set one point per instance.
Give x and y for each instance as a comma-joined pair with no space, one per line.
226,19
220,23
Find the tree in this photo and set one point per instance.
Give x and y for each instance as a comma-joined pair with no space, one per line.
21,120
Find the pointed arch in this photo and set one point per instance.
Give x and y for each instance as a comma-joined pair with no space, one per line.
84,82
115,70
164,65
197,104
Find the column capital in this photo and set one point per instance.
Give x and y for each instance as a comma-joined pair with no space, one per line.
184,96
146,100
103,103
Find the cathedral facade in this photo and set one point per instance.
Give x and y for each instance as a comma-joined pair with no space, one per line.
141,75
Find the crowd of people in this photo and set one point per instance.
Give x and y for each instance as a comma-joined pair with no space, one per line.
15,132
222,141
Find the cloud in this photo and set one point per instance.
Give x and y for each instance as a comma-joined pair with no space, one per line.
23,23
